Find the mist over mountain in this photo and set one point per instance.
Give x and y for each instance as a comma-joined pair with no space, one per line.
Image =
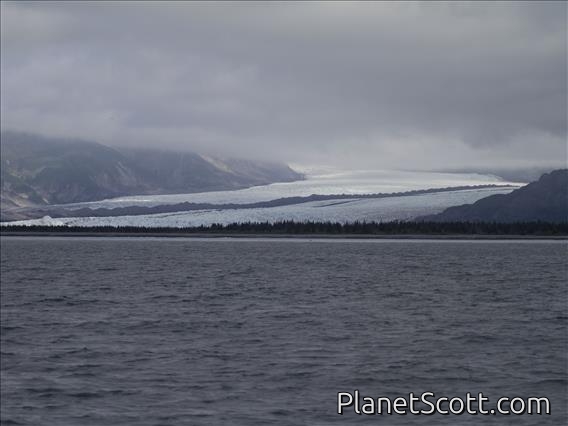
543,200
37,170
397,85
512,174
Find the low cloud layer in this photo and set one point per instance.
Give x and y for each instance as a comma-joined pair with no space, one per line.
408,85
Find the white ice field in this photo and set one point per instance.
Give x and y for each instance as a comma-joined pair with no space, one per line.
317,182
340,210
381,209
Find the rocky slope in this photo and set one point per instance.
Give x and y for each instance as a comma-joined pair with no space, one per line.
543,200
38,171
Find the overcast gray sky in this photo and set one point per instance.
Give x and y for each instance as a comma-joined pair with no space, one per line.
410,85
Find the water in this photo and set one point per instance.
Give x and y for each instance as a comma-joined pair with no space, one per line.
143,331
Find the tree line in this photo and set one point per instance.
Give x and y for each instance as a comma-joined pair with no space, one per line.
537,228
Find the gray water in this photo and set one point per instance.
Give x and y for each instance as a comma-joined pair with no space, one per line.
143,331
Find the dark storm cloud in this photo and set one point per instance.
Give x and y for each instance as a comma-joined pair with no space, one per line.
391,84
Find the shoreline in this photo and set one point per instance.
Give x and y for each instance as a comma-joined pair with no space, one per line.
236,235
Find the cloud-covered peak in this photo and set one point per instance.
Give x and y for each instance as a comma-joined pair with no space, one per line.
385,84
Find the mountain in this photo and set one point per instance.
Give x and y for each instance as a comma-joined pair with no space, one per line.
543,200
185,172
36,170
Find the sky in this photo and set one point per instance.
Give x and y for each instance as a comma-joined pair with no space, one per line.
360,84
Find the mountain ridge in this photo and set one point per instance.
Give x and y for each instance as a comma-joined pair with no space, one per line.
36,170
543,200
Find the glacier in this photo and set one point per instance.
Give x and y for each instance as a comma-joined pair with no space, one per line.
318,181
340,210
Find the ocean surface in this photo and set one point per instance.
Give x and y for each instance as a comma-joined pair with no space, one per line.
158,331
